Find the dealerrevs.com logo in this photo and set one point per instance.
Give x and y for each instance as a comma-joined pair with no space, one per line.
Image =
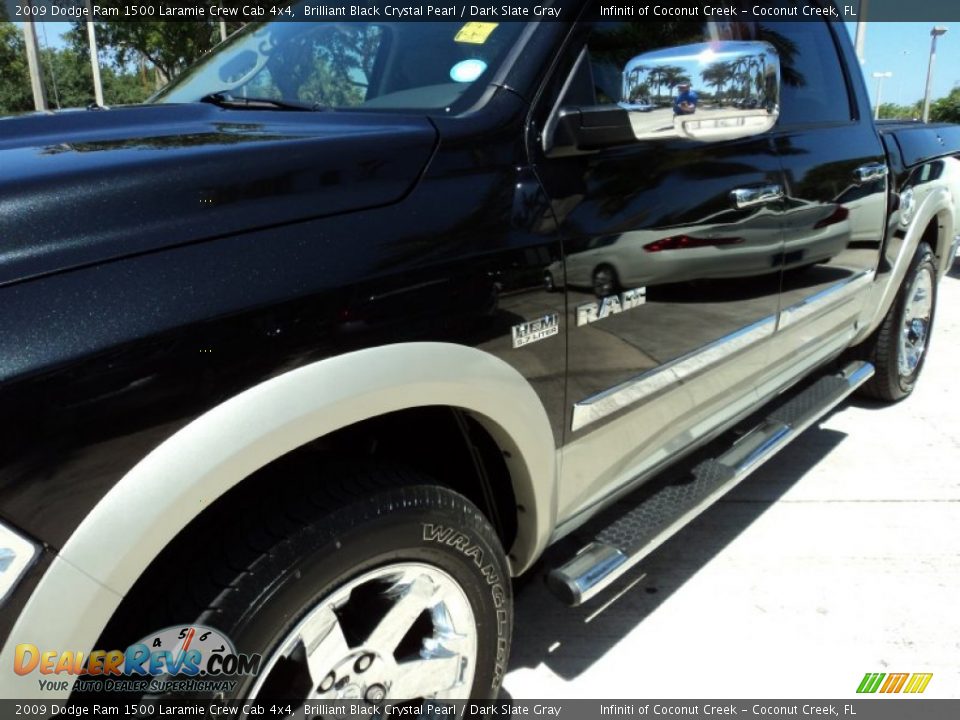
187,658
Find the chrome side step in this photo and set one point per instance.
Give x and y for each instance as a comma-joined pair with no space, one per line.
621,545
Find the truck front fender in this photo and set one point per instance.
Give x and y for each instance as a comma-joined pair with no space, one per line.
186,473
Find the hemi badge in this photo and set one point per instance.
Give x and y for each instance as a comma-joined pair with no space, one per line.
528,332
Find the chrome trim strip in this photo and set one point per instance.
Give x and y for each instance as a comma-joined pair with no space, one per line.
612,400
627,393
578,581
833,295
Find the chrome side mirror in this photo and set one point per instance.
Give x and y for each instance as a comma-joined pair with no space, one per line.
707,91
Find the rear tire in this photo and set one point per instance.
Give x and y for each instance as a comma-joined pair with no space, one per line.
899,347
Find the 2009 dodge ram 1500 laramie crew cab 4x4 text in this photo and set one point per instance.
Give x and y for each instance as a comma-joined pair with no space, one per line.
319,347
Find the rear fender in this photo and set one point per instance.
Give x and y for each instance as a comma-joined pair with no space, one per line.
936,207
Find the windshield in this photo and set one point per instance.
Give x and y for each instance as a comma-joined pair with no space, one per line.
329,65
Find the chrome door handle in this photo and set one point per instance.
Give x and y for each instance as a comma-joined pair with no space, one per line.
870,172
748,197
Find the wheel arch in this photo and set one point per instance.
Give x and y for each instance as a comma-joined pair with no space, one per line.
191,469
933,223
946,229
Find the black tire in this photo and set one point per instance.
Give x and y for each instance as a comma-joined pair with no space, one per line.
549,283
895,380
379,520
605,280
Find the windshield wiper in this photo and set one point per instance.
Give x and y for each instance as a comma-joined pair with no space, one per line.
226,100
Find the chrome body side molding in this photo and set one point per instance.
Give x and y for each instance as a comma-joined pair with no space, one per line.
827,298
621,396
616,398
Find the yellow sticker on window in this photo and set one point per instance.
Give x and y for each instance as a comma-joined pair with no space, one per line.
475,32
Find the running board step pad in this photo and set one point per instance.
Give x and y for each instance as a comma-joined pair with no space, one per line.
637,533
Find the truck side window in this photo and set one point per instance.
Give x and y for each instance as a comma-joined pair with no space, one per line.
813,88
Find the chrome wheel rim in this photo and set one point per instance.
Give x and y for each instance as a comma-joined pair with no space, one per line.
403,632
915,329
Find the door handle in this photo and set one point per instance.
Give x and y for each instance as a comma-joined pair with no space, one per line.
870,172
761,195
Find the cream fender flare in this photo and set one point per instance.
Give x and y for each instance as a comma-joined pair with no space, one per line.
143,512
937,206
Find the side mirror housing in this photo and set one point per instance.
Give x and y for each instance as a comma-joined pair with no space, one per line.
594,127
714,91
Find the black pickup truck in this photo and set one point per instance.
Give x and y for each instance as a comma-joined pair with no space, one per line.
304,359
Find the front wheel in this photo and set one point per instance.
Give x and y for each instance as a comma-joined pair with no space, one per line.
899,347
397,592
405,630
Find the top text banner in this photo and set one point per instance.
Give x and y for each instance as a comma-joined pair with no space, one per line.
934,11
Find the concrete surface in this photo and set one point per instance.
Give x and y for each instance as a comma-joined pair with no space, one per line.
840,556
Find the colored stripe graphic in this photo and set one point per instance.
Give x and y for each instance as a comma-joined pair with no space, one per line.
918,683
894,682
870,682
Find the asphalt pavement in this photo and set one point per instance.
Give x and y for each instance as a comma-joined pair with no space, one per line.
840,556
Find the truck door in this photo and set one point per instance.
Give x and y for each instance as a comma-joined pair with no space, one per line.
835,185
672,283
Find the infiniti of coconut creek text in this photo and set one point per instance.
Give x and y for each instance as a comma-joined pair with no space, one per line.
628,10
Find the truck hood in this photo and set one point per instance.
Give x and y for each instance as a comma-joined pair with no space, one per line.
82,187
